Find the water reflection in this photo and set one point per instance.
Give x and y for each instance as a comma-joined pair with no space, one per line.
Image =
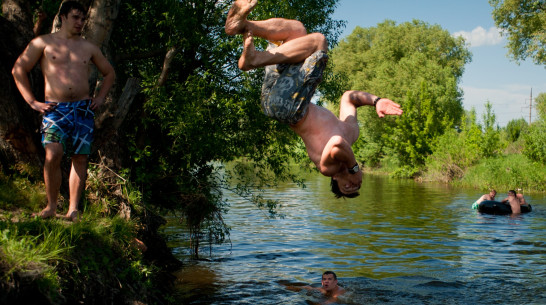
400,242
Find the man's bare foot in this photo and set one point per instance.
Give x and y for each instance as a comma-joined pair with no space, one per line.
249,52
73,216
236,18
46,213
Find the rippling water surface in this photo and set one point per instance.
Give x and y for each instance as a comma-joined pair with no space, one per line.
399,242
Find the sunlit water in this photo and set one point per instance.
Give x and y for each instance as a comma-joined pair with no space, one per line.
400,242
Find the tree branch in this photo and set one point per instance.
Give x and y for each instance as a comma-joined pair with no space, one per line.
167,65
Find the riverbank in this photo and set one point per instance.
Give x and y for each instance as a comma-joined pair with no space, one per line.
103,258
100,260
503,173
506,172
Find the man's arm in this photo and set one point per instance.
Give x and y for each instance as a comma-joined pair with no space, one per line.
336,152
108,74
482,198
300,288
24,64
354,99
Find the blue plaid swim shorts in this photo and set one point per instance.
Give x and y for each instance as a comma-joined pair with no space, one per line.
72,125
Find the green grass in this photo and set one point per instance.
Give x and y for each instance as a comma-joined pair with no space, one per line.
26,256
93,255
61,262
19,193
508,172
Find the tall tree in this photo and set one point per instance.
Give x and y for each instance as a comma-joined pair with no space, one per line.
17,121
198,110
181,107
413,63
524,22
540,105
515,128
491,137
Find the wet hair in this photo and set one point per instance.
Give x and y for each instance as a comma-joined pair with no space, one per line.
512,192
337,192
68,6
330,272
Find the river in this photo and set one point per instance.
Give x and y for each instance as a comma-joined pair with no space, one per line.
399,242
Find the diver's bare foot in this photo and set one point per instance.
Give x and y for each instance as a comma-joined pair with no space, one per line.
46,213
249,52
73,216
236,18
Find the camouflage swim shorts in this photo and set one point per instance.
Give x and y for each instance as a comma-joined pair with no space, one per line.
288,88
71,124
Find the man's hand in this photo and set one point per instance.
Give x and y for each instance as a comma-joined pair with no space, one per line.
96,103
385,106
42,107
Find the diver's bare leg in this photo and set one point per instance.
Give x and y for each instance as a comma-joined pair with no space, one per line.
276,29
293,51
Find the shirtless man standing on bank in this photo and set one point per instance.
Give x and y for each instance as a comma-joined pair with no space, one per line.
68,121
327,138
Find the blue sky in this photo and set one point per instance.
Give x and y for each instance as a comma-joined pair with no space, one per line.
490,76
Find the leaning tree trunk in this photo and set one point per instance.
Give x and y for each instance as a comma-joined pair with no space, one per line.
19,139
98,29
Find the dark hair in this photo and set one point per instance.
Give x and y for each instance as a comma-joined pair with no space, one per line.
337,191
330,272
68,6
512,192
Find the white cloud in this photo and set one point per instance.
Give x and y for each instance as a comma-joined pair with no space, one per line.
481,37
508,104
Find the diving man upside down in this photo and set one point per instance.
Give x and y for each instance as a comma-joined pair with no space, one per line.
294,64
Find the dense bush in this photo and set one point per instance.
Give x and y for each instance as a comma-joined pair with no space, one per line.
507,172
535,142
515,128
457,150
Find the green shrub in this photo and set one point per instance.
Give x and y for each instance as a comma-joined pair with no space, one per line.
535,142
17,192
32,258
453,153
515,128
507,172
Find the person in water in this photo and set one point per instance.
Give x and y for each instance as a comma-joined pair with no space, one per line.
329,288
514,202
294,64
520,197
490,196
